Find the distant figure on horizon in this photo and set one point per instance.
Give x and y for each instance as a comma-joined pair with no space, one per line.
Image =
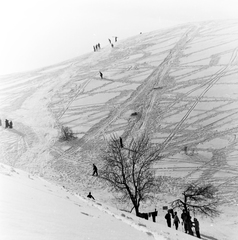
10,124
115,39
176,221
101,75
99,46
109,40
168,218
95,170
90,196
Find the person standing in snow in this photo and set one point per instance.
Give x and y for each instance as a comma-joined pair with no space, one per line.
176,221
109,40
196,226
101,75
168,218
95,170
184,222
90,196
6,123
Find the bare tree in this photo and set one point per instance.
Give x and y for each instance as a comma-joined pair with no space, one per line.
128,171
198,198
201,199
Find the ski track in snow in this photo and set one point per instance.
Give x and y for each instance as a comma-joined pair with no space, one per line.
181,82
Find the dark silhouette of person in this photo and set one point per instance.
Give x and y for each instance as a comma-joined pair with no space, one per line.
95,170
6,123
109,40
189,223
101,75
94,49
168,218
99,46
196,226
112,45
154,215
90,196
176,221
121,143
184,222
115,39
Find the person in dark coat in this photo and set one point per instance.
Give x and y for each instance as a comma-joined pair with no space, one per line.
95,170
168,218
184,222
109,40
10,124
101,75
6,123
196,226
90,196
176,221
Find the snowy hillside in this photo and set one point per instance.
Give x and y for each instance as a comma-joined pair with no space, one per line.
182,85
32,208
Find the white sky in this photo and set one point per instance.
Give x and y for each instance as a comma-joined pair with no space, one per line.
37,33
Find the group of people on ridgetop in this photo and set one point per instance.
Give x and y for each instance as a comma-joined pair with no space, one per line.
186,222
8,124
96,47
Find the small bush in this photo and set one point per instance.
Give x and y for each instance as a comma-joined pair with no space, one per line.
66,134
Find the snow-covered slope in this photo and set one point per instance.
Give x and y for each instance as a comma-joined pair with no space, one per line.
182,82
32,208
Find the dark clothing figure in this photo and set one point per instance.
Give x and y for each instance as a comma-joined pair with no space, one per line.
176,221
90,196
121,143
184,222
112,45
101,75
168,219
99,46
196,227
95,170
109,40
94,49
115,39
154,215
189,224
6,123
10,124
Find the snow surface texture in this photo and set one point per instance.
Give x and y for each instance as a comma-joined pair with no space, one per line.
182,82
32,208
